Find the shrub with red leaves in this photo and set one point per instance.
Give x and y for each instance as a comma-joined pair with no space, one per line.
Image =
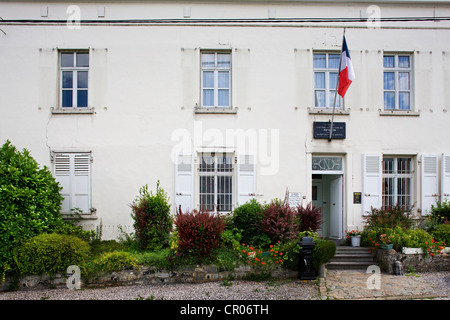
310,217
280,222
199,233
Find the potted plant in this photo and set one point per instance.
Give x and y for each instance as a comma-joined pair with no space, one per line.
385,242
354,237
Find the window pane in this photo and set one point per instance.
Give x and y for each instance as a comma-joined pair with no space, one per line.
403,61
388,192
224,79
225,164
320,98
208,60
403,101
67,98
389,61
208,97
66,59
404,165
389,81
319,60
389,100
82,59
208,79
206,163
333,80
403,80
224,98
67,79
319,80
388,165
338,99
333,61
82,79
82,98
223,60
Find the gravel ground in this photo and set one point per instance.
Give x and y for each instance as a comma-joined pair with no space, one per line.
440,280
231,290
293,289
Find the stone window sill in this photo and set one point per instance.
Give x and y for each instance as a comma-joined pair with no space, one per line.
200,110
329,111
399,113
73,111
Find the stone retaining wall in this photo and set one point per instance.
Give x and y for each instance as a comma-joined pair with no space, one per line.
386,260
143,276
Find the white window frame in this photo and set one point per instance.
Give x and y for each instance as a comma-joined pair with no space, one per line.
216,69
74,69
204,173
396,176
397,70
329,92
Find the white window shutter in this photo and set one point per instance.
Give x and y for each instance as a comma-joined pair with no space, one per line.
184,182
445,179
430,183
81,182
372,178
246,180
73,172
62,175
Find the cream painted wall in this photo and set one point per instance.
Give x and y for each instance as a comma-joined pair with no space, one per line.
144,84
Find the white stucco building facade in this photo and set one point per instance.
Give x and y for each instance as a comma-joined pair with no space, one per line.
223,101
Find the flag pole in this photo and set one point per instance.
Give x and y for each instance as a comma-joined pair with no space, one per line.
337,86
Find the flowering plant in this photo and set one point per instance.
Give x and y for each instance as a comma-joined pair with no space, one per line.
352,233
261,259
385,239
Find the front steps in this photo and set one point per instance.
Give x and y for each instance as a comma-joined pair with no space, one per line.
351,258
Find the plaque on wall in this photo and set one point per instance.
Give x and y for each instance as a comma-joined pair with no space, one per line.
321,130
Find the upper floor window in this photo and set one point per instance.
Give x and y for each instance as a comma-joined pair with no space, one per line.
216,79
326,72
74,71
397,82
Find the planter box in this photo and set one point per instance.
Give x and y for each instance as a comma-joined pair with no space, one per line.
386,246
406,250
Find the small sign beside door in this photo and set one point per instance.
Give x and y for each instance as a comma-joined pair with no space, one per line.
357,197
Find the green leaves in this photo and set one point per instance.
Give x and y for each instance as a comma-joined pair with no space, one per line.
30,200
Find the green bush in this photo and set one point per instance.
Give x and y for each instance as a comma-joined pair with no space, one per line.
398,236
152,220
30,201
70,229
112,261
160,259
323,251
246,220
441,212
389,218
50,254
442,233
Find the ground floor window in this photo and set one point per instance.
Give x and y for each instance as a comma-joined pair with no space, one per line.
215,174
397,184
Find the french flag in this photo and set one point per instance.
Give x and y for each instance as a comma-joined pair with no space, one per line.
346,72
